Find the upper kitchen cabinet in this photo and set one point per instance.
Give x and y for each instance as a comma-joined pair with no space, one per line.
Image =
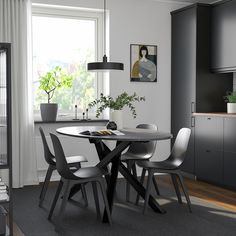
224,36
193,87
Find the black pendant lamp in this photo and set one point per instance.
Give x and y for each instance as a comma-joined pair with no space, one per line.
105,65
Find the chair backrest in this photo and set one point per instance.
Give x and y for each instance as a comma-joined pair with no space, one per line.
61,163
47,153
143,150
180,147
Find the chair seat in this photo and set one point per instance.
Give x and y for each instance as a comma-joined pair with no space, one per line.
74,159
164,165
89,172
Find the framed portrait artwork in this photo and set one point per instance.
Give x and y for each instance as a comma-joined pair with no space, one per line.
143,63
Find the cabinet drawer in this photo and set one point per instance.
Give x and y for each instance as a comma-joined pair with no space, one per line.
209,133
229,175
230,135
209,165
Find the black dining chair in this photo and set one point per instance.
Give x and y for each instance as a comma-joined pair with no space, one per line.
139,151
170,166
74,162
81,176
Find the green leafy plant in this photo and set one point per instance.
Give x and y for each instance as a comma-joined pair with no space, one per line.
117,103
230,97
54,79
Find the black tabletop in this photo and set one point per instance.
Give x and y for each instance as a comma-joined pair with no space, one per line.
127,134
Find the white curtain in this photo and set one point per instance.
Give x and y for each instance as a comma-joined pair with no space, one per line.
15,27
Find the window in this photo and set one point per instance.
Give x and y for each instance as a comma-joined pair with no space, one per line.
69,38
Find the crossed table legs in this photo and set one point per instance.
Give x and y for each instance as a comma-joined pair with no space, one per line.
107,156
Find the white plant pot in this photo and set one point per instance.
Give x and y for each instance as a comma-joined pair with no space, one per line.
231,107
117,117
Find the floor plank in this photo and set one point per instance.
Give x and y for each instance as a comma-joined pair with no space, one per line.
17,231
213,194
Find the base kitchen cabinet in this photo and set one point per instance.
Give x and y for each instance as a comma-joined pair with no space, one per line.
229,177
209,148
209,165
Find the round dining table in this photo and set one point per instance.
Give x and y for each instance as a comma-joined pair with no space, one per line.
123,139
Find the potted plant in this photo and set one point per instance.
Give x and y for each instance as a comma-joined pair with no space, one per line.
230,98
116,105
54,79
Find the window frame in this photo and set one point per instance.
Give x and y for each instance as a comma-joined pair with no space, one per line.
56,11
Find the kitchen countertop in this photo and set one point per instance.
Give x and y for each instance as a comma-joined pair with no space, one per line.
217,114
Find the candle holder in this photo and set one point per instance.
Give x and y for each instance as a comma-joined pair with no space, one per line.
76,112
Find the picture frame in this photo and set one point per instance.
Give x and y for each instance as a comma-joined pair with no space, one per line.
143,63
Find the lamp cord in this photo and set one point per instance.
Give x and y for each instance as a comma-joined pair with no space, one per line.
104,27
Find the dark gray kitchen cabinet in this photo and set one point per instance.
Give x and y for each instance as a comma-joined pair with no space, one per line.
209,165
193,87
230,134
183,24
209,148
230,152
229,172
224,36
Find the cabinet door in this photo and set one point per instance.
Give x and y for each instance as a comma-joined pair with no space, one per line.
209,133
230,134
224,37
209,148
209,165
183,75
183,68
230,152
229,169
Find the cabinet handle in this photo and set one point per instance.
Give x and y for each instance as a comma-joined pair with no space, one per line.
192,121
208,151
192,107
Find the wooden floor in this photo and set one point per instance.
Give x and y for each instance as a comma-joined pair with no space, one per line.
216,195
17,231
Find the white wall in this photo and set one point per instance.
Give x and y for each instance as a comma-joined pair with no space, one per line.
134,22
144,22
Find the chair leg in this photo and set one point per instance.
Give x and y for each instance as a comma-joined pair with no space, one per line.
95,194
134,170
77,165
55,199
185,192
45,185
84,194
141,181
129,166
63,204
104,195
176,186
155,185
148,189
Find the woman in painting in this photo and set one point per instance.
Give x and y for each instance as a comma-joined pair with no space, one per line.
144,69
